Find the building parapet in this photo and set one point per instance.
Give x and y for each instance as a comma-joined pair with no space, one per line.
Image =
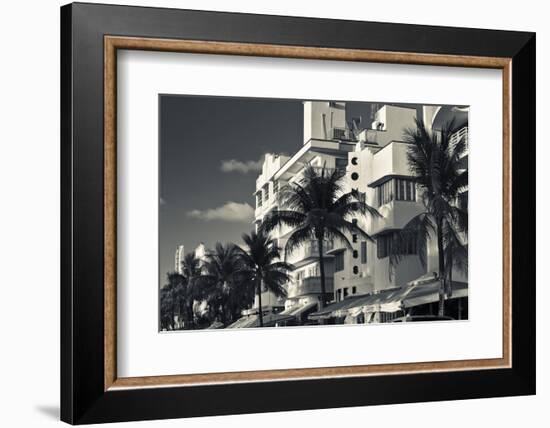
395,215
309,285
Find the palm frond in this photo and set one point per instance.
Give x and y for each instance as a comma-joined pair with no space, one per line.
282,218
300,236
355,207
334,222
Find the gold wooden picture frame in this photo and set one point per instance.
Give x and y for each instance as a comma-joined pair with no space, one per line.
114,43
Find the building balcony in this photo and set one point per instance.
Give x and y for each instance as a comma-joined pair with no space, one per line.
395,215
389,161
309,285
309,252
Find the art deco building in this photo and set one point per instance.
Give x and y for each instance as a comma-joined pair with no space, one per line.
326,142
375,163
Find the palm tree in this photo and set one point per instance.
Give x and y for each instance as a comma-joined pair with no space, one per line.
317,209
191,271
226,296
170,298
262,266
167,309
435,162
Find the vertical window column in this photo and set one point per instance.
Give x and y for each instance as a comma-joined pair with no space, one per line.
363,252
259,198
266,192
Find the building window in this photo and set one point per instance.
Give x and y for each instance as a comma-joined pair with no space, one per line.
313,271
385,192
385,243
346,292
339,262
399,189
354,160
405,190
354,176
363,252
259,199
353,290
338,295
275,187
354,237
354,222
355,254
266,192
355,270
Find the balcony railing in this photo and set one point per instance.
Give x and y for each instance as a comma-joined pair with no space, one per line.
458,135
310,285
344,134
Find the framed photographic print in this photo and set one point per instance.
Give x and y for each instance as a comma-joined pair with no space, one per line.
273,213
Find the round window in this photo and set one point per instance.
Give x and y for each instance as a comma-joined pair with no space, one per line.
354,176
354,160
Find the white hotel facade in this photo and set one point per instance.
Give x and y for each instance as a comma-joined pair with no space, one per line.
375,163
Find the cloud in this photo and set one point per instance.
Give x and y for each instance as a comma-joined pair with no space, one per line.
234,165
230,211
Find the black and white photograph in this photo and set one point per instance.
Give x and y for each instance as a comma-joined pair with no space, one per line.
288,212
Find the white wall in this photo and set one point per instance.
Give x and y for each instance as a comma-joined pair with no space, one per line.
320,118
29,108
390,160
395,120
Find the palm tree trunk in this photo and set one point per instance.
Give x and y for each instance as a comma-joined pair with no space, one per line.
441,257
190,316
322,269
223,313
449,288
183,315
260,312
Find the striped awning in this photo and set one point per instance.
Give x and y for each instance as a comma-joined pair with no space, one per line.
298,310
429,293
243,322
330,310
419,292
269,320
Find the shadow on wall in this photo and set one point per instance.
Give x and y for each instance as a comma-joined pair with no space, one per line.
52,411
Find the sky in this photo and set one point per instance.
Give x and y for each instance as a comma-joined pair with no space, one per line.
210,156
